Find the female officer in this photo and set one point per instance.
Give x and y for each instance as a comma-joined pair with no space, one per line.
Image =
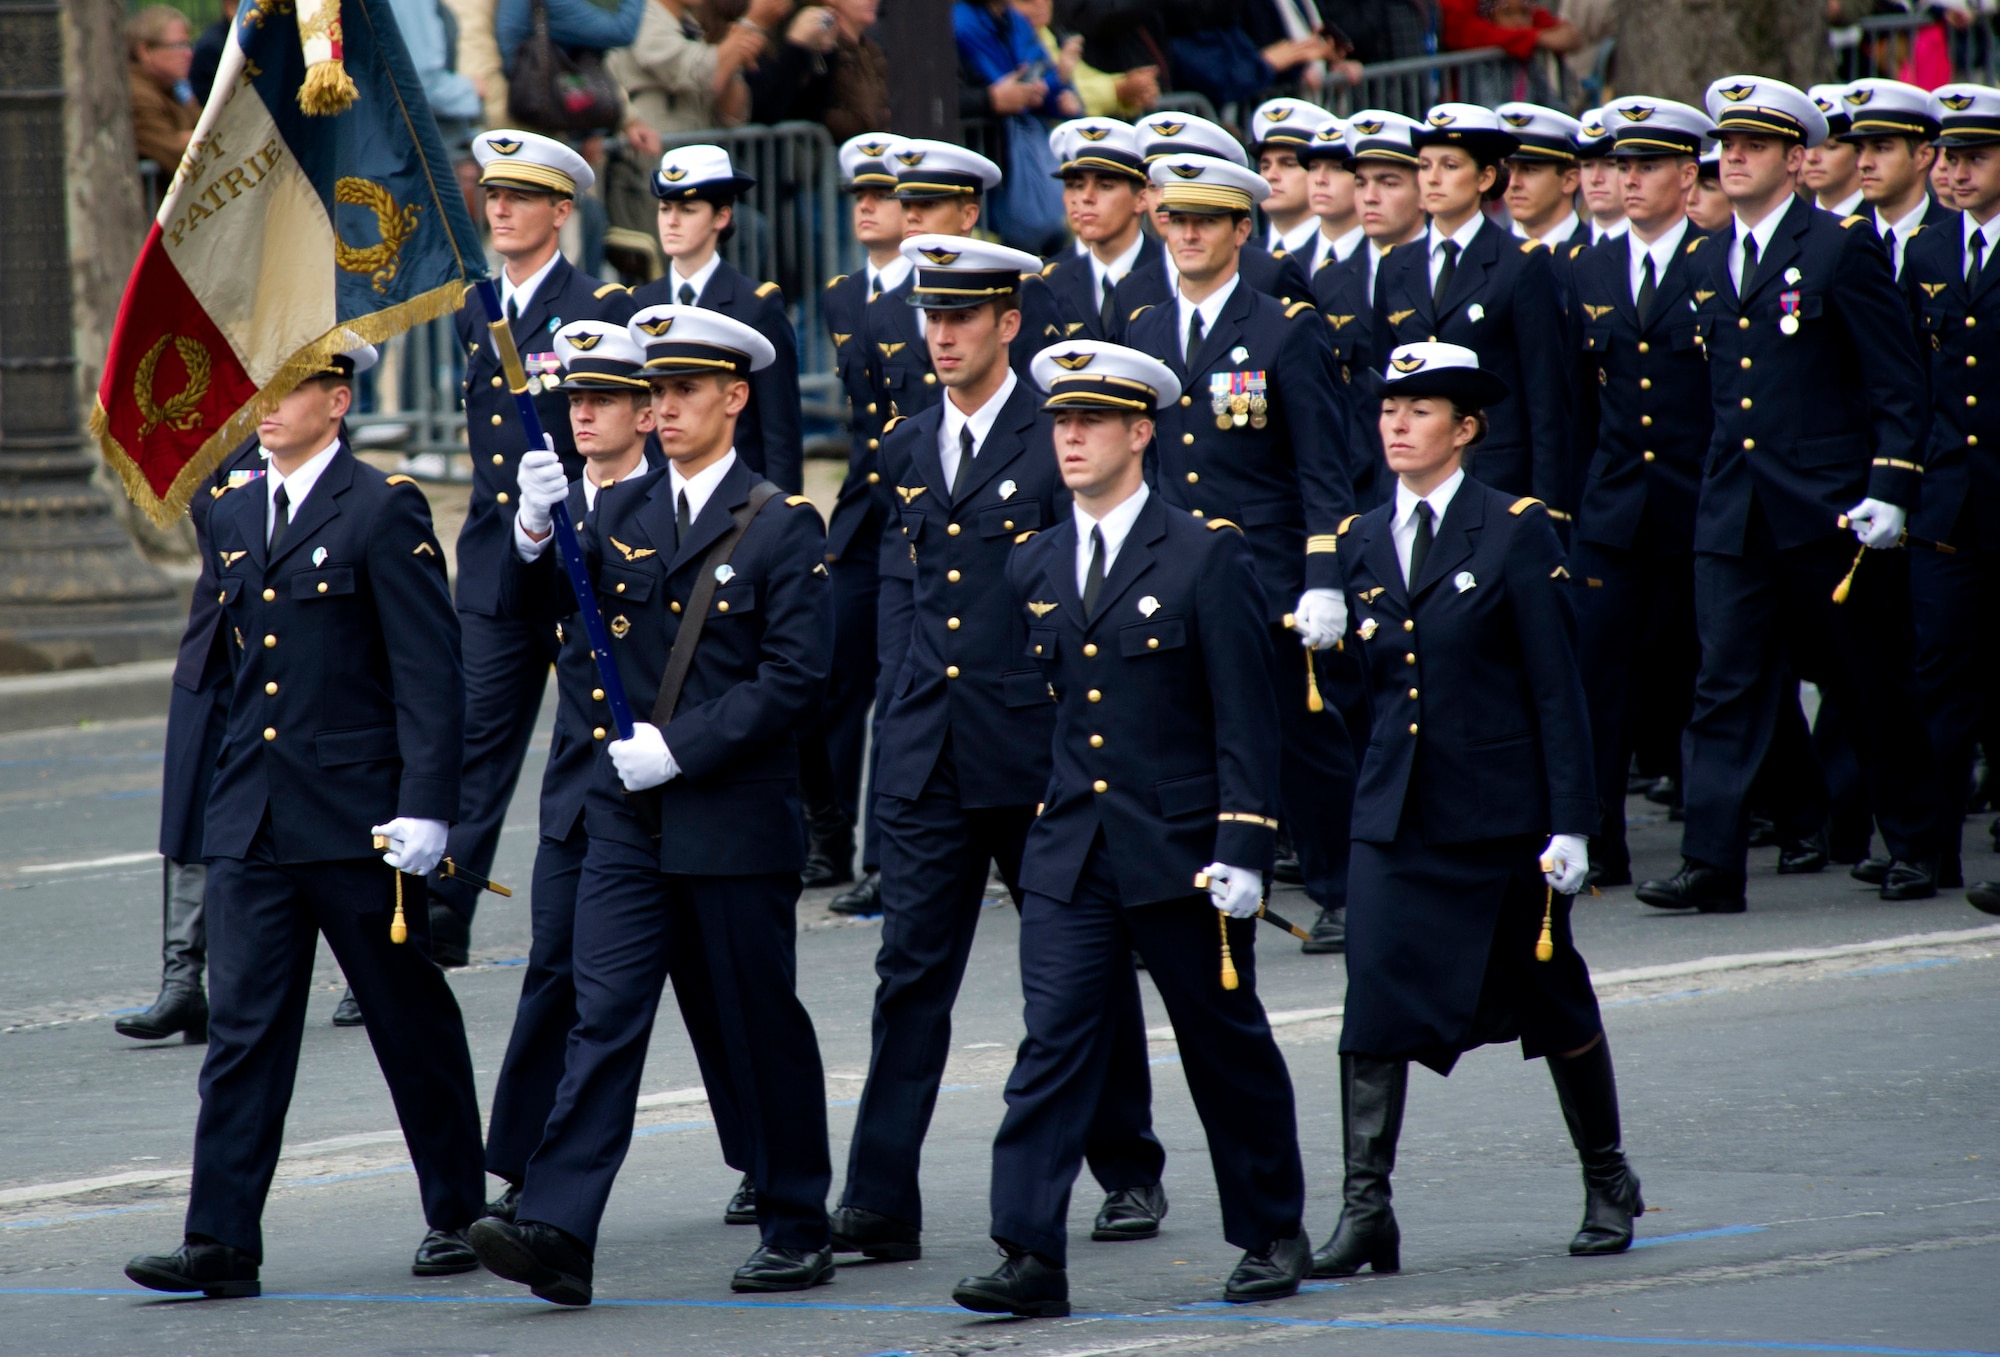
1472,283
1458,914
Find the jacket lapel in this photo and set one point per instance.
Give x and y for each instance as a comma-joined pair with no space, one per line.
1989,271
1474,263
1380,558
321,504
1617,258
541,309
1783,251
1672,286
1227,330
1005,441
715,517
1135,558
1059,576
242,518
1456,537
719,293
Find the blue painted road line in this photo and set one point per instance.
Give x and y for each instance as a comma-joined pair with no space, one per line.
1923,965
1721,1232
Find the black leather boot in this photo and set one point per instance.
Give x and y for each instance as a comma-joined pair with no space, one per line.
180,1008
451,937
1588,1091
1372,1091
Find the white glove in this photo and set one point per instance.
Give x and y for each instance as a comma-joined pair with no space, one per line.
1876,524
1320,617
1236,891
1571,855
543,486
415,846
644,760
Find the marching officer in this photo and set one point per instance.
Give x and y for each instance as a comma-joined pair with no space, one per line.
1891,127
1542,177
1817,389
1279,130
698,188
704,568
1949,277
1597,178
1330,186
1260,436
964,761
1831,171
1104,197
1460,933
1474,285
1644,423
530,186
345,722
1148,625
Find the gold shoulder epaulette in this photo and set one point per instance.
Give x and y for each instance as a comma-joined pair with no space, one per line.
1278,253
836,280
894,420
839,338
1695,244
1215,523
1345,524
400,479
1523,504
608,289
766,289
1530,246
1026,274
1846,222
794,501
1575,250
1050,267
1292,311
1561,572
1021,537
1136,314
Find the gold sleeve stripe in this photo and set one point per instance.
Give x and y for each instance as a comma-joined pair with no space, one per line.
1320,544
1898,464
1236,817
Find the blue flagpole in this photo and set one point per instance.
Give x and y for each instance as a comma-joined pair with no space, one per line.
567,545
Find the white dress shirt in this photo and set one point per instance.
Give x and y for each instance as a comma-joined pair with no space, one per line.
1116,270
887,278
1896,234
1463,235
1210,308
1295,240
980,421
700,488
1600,234
1991,230
698,280
1847,206
1762,232
1662,252
522,296
1561,234
1334,248
1403,527
1116,525
297,485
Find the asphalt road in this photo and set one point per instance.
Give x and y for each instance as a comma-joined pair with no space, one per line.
1818,1139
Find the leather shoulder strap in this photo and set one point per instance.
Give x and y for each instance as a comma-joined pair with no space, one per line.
681,658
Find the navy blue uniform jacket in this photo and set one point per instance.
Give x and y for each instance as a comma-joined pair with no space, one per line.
1287,485
757,674
1808,423
1477,719
768,433
966,674
1502,305
1643,413
493,429
1340,290
1278,276
1958,333
348,705
1166,737
865,500
1073,283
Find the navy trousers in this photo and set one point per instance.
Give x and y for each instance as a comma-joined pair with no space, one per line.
850,690
532,1069
506,671
895,615
1958,668
1315,776
743,931
1075,956
264,921
1754,612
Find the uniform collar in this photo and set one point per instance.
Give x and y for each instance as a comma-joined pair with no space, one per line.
981,420
1117,268
1294,240
1600,234
1116,525
1991,230
698,280
699,488
1439,499
1210,306
1342,247
890,276
1662,251
523,296
301,482
1846,207
1463,235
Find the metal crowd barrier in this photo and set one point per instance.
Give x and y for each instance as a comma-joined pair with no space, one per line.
1882,44
1483,75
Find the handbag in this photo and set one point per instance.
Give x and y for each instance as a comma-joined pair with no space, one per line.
558,90
1028,209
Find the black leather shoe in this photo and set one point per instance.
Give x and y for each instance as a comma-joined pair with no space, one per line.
1984,896
865,898
1024,1286
215,1270
504,1205
829,860
742,1208
1763,833
347,1013
874,1235
1608,874
771,1269
1270,1273
1910,880
180,1008
1130,1213
1803,856
1874,871
1696,886
444,1253
1286,868
1664,792
549,1262
451,937
1329,933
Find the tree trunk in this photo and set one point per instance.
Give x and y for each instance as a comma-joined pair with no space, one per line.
1673,49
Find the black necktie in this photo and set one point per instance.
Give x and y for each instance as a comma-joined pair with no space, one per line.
1646,287
281,518
1194,337
682,519
874,285
1104,311
687,294
958,477
1093,575
1974,259
513,308
1749,265
1445,271
1420,547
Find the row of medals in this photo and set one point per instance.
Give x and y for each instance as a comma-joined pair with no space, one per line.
1234,411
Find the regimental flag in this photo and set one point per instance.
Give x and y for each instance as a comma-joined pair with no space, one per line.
284,238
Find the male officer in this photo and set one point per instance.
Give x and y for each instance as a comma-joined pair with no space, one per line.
197,716
1891,128
1143,619
1816,386
531,183
1949,277
1831,170
344,723
964,761
698,188
1542,177
830,760
717,588
1279,129
1261,436
1597,178
1104,197
1644,424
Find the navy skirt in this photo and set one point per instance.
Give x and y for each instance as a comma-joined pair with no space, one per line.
1441,953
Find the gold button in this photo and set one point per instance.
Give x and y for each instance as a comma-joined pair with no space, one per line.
1644,347
1097,742
873,444
1745,402
1187,400
1971,321
270,732
270,642
1413,727
1413,694
596,694
930,379
874,478
1743,323
1971,361
222,597
1038,650
1646,420
1187,439
496,418
951,624
1090,650
322,586
1094,695
1972,400
674,607
1647,455
1409,624
871,407
722,606
496,381
270,690
499,460
597,734
1008,526
1745,363
1194,477
502,497
270,595
1972,440
1197,513
1749,444
951,530
951,671
1645,383
1100,786
951,576
1152,643
1410,657
621,586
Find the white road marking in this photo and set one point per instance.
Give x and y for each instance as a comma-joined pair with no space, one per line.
76,1187
116,860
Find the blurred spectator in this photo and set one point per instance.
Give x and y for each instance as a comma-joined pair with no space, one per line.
1594,21
1516,27
208,52
858,100
998,48
163,109
430,33
1292,37
1135,92
479,59
677,80
578,25
826,69
1235,52
1383,30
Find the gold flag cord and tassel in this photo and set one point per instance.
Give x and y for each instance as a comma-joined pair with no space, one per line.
328,88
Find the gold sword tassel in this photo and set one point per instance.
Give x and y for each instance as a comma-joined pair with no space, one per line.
1840,591
399,930
1228,961
1545,948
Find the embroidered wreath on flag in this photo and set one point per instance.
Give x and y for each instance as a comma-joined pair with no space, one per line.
397,224
182,410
